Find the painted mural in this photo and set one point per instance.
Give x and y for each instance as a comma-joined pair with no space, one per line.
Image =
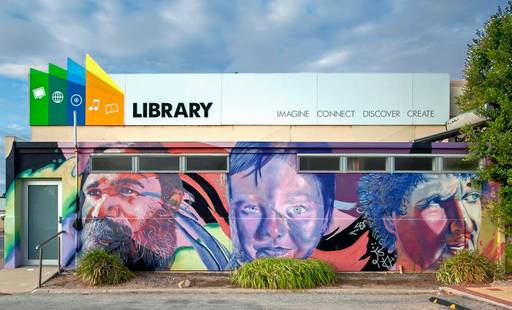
262,207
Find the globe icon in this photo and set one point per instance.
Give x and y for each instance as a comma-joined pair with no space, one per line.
57,96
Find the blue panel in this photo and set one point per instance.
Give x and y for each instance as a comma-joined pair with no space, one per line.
76,93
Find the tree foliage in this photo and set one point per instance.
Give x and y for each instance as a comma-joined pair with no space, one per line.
488,75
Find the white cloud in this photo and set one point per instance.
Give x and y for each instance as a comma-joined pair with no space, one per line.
364,28
18,71
187,15
257,36
285,11
15,127
330,61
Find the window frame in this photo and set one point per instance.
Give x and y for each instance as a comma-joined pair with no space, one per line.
106,155
461,156
434,158
138,156
387,168
340,166
186,170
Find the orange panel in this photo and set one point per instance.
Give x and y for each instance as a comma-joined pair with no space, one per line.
105,105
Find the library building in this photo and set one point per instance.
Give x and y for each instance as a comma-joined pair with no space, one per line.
210,171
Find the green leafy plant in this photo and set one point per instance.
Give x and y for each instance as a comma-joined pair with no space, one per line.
98,267
467,267
508,259
284,273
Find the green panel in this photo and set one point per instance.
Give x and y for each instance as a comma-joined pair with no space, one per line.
38,98
57,100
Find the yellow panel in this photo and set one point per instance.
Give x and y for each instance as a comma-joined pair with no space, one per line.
93,67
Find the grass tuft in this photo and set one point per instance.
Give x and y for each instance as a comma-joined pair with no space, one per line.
284,273
467,267
98,267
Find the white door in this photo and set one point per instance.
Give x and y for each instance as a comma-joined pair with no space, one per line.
42,208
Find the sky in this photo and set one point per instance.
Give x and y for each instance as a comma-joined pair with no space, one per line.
212,36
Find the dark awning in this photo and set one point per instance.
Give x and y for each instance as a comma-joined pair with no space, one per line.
445,134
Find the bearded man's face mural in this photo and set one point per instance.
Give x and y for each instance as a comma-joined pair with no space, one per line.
132,215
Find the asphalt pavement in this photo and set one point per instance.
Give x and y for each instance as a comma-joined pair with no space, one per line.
225,301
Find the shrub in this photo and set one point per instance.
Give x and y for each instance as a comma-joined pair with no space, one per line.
508,258
284,273
468,267
98,267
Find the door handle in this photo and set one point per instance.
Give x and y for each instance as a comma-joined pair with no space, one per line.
60,219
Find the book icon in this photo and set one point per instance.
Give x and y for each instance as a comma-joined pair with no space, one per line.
95,105
38,93
111,108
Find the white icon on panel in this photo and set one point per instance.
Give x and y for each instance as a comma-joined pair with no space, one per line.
95,105
111,108
57,96
76,100
38,93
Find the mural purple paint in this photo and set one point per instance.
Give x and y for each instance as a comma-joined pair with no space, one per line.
262,207
132,215
424,217
275,210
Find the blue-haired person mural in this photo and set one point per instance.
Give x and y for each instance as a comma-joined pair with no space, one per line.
423,217
275,210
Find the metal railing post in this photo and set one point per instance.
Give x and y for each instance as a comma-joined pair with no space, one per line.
40,266
58,254
39,248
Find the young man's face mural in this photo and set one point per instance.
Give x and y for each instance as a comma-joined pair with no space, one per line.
426,217
132,215
275,211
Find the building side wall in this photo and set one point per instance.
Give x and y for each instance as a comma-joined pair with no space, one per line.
262,207
235,133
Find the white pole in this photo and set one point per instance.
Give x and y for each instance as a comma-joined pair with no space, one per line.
74,129
75,138
77,184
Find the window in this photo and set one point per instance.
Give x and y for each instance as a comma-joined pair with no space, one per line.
366,163
319,163
459,164
111,163
162,163
414,163
206,163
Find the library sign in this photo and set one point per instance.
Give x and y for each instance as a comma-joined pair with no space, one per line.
97,98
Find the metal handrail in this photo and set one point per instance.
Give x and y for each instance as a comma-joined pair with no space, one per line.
39,248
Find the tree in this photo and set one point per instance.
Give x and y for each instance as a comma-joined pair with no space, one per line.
488,91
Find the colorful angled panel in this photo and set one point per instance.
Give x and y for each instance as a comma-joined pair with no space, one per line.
105,100
57,99
38,98
76,93
89,92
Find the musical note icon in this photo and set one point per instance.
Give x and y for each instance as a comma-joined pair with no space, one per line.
95,105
